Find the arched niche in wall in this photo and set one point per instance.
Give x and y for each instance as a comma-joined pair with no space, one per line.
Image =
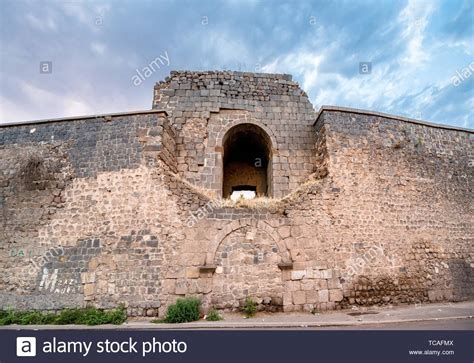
247,160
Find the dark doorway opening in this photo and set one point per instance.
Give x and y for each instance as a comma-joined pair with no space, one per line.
239,188
247,161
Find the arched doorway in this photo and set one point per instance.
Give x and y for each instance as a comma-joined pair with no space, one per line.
246,263
247,162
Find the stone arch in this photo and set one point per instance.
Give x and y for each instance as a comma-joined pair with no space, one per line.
236,225
232,124
246,160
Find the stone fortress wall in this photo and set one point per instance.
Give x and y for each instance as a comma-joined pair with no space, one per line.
365,208
204,106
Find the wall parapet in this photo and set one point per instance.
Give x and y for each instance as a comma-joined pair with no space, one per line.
326,108
105,116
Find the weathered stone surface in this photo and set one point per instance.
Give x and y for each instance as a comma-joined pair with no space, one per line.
192,272
88,289
123,208
181,287
326,274
284,231
298,274
205,285
88,277
323,295
299,297
244,97
307,285
335,295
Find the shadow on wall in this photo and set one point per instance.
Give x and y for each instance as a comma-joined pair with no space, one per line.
462,279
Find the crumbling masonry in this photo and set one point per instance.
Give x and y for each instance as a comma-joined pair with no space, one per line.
358,207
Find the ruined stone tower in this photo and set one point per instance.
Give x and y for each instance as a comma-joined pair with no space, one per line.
354,207
228,121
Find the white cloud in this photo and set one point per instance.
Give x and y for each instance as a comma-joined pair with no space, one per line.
413,61
225,48
9,111
43,24
45,104
304,63
36,103
389,83
80,11
414,18
87,13
98,48
242,2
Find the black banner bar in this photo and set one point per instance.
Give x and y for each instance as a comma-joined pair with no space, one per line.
234,346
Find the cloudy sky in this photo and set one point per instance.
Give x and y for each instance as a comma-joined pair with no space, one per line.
416,50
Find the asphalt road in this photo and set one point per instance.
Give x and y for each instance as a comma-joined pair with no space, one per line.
455,324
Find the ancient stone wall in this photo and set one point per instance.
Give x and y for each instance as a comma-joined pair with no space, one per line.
65,187
204,106
120,209
391,223
408,188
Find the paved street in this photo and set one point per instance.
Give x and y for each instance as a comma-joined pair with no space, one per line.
446,316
